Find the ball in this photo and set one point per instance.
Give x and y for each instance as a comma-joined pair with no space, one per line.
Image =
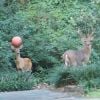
16,41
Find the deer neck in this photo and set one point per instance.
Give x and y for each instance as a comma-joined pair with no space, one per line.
18,56
87,49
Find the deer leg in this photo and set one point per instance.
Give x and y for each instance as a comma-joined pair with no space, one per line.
66,60
66,63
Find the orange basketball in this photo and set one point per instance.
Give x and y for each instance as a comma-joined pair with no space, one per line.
16,41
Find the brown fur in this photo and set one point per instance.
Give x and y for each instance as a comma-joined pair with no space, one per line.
24,64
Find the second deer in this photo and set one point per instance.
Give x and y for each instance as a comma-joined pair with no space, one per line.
79,57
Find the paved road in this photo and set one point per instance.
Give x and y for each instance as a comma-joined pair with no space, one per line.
42,94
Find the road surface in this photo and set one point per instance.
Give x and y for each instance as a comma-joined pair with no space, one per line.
40,94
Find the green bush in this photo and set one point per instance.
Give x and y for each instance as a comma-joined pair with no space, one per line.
12,81
86,76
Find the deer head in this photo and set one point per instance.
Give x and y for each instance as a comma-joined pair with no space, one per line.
86,39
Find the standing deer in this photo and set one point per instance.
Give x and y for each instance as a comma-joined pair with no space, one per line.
79,57
24,64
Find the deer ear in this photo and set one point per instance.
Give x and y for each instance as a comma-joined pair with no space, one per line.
21,46
92,36
12,47
83,39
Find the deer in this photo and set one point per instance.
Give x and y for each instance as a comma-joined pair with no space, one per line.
23,64
81,56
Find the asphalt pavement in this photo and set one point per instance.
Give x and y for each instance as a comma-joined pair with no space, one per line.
40,94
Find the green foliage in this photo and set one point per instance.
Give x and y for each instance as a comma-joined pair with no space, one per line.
48,28
87,76
17,81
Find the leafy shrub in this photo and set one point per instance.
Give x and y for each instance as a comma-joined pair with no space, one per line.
87,76
16,81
